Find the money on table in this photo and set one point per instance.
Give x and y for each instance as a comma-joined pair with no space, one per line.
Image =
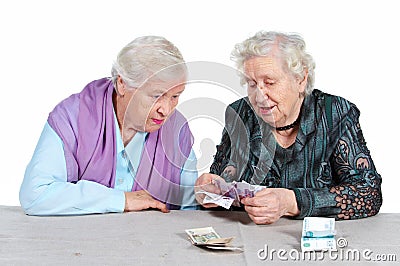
207,237
318,234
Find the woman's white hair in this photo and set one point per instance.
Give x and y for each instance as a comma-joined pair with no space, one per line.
146,56
291,48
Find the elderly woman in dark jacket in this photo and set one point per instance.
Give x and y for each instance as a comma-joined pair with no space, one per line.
304,145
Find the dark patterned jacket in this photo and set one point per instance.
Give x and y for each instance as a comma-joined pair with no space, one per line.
329,167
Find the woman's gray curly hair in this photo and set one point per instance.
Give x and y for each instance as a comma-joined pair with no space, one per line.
146,56
291,48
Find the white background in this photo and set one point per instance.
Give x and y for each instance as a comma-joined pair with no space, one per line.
51,49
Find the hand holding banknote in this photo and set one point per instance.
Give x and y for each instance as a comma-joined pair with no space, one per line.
270,204
207,182
212,191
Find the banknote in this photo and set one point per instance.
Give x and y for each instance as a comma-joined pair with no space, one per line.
220,200
237,190
318,227
318,234
231,193
208,238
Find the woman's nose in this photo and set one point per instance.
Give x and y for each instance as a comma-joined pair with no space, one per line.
261,95
165,107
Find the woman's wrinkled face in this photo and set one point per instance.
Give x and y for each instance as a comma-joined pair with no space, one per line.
152,104
275,95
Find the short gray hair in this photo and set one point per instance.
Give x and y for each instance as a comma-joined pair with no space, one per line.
291,48
145,56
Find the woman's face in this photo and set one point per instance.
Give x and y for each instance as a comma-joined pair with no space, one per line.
151,105
275,95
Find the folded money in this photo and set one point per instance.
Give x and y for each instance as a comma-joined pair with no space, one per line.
207,237
318,227
318,234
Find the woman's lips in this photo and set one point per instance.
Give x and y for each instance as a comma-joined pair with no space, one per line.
157,121
266,110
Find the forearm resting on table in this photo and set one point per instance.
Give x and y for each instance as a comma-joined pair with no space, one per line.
64,198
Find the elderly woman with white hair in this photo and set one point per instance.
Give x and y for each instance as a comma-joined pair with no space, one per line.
113,146
304,145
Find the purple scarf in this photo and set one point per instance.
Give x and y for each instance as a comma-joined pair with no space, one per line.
85,123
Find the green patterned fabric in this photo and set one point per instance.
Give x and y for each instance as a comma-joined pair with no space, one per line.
329,167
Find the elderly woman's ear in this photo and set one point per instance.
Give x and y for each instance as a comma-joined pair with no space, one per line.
121,86
303,82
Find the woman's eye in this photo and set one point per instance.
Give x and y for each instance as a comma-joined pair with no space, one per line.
251,84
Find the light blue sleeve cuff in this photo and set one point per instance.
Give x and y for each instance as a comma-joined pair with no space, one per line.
117,201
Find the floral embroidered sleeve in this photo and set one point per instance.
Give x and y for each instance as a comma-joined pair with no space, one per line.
356,191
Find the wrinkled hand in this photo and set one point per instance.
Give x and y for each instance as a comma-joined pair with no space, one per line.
270,204
206,182
141,200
